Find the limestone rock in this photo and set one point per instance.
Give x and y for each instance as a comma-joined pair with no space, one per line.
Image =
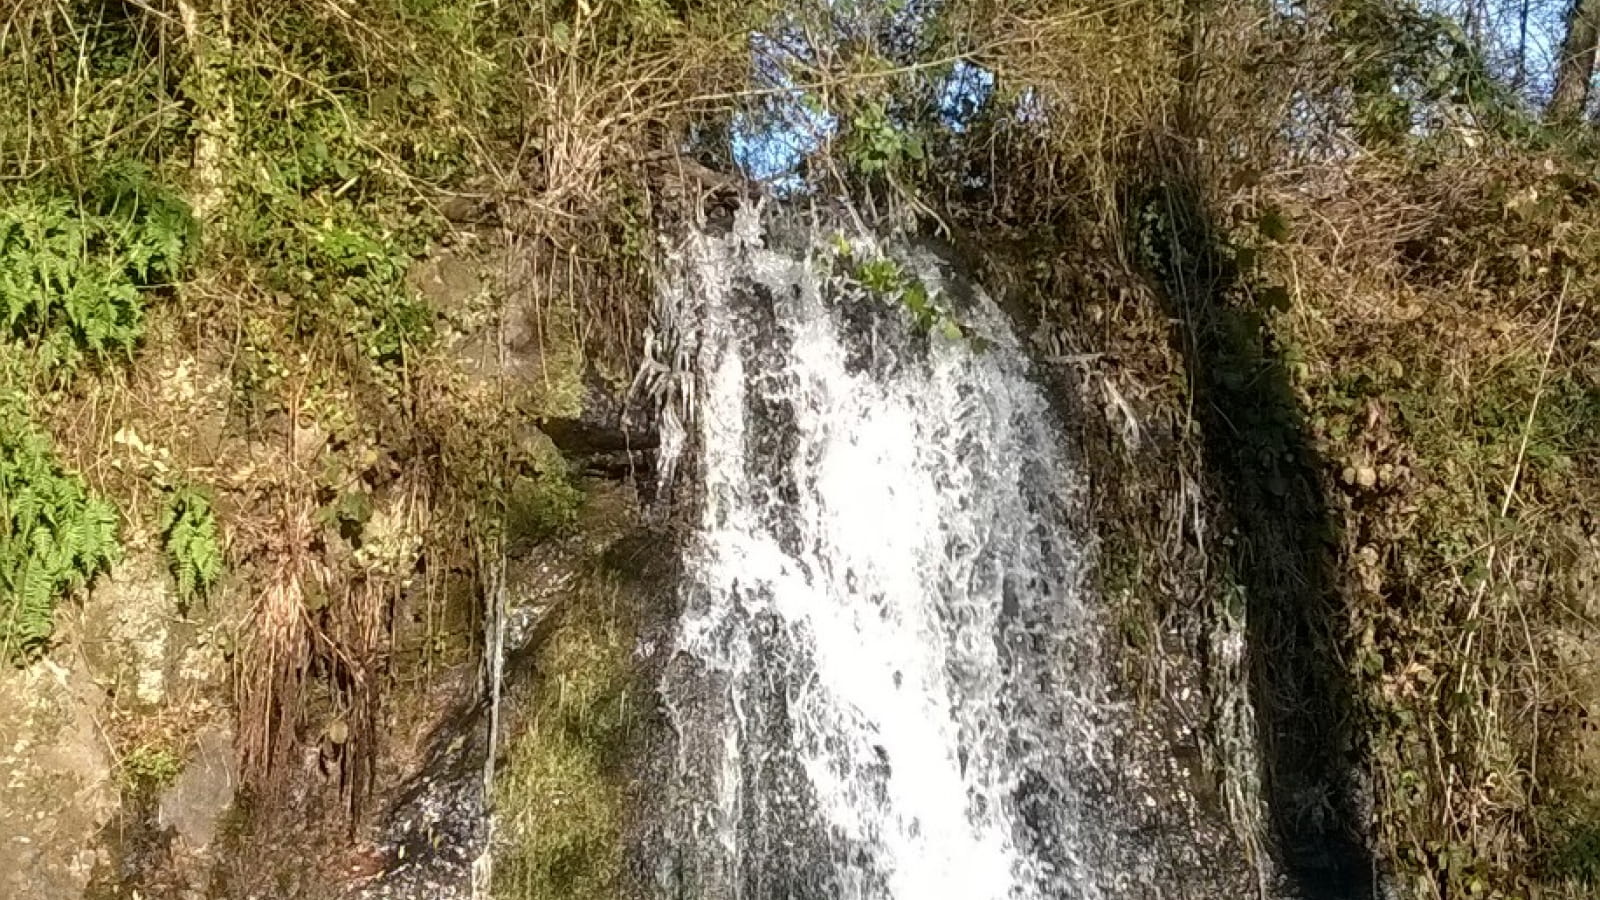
56,784
196,802
127,629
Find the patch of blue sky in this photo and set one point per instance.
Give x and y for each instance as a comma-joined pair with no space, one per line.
773,139
1520,39
771,143
963,94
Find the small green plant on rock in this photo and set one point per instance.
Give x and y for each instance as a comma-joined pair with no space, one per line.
150,767
888,280
877,144
54,536
188,529
541,500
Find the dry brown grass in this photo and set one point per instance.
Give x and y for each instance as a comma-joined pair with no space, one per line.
275,660
605,95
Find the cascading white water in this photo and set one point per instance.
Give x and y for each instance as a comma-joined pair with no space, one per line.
887,679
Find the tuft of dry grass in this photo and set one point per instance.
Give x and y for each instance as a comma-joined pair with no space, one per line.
274,663
604,94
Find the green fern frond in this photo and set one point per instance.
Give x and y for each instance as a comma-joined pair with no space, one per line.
54,536
73,269
189,533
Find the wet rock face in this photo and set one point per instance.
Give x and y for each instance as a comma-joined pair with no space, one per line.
567,598
57,787
612,436
436,831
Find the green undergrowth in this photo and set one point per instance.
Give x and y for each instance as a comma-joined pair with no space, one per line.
189,535
92,233
318,204
88,85
78,269
1461,437
224,205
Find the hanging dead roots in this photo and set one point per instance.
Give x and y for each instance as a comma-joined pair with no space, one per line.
275,662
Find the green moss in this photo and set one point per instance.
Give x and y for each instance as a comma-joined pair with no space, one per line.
541,500
558,387
560,790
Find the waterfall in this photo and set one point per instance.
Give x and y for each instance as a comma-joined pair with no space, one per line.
888,673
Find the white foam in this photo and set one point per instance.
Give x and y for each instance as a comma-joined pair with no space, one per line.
924,571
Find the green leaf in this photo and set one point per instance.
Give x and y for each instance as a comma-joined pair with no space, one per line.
190,536
1273,225
54,536
1275,297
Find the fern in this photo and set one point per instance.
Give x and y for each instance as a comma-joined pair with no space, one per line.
189,532
73,269
54,536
